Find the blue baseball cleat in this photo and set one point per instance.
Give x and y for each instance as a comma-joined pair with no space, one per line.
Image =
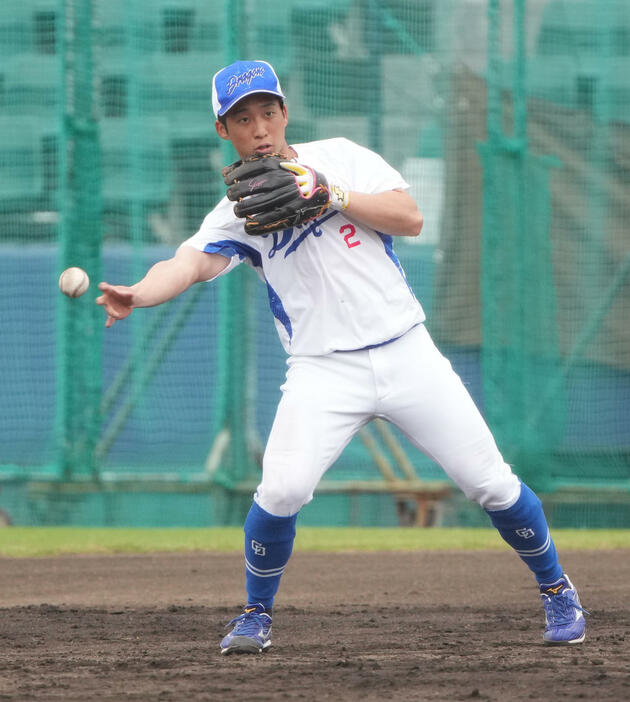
564,616
251,632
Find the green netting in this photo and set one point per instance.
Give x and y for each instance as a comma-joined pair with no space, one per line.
509,120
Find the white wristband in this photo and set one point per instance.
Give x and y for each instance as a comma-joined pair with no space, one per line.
339,198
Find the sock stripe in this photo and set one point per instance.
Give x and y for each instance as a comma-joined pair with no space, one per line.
275,574
531,553
264,573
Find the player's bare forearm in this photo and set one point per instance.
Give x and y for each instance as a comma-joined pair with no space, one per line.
392,212
163,281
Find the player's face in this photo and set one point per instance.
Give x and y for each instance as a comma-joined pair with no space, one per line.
256,125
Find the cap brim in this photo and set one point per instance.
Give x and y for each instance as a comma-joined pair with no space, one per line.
230,105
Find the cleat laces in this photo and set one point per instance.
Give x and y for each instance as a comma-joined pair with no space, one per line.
249,624
559,609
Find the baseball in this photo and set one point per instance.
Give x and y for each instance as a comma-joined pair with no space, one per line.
73,282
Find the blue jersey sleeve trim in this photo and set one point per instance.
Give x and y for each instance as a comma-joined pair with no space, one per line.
230,248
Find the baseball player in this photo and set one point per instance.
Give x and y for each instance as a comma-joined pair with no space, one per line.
317,223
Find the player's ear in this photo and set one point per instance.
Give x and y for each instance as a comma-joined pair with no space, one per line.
222,130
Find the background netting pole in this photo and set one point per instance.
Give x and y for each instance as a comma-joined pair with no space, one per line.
233,344
80,321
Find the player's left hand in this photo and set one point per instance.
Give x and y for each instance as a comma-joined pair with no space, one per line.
272,193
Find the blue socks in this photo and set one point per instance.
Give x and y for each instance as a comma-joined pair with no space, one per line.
524,527
268,546
269,543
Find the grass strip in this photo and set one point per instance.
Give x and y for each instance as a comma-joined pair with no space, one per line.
53,541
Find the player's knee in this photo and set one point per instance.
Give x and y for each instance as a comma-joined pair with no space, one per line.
283,499
496,492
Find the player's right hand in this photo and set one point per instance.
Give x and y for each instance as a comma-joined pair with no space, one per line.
117,301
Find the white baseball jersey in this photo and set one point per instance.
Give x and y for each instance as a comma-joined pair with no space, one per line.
334,284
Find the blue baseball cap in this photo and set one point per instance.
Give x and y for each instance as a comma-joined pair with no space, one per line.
240,79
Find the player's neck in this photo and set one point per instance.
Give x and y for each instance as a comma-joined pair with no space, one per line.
289,151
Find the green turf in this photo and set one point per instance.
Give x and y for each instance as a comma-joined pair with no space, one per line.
44,541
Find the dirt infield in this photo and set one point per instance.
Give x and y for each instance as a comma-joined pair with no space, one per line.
384,626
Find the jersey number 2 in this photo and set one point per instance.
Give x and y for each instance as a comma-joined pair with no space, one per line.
351,232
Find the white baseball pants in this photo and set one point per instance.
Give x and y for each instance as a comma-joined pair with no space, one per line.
327,399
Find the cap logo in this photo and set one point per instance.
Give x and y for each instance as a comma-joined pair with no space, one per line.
240,79
247,77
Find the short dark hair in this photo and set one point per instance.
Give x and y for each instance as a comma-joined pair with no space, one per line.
223,118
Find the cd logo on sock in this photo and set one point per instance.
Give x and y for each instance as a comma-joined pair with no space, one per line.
260,550
526,533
